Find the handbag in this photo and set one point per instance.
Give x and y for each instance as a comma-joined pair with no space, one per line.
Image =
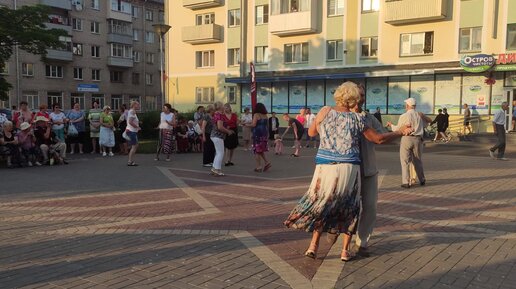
125,136
72,130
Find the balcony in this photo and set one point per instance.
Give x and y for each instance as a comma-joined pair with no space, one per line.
61,4
120,62
120,38
60,55
294,23
414,11
67,28
202,34
201,4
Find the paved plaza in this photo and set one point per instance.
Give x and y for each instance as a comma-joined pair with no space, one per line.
97,223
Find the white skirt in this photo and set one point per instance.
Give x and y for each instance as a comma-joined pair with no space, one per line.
107,137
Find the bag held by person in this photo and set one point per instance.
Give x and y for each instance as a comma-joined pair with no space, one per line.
125,136
72,130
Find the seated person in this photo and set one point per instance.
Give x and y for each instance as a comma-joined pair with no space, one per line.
27,142
182,137
193,137
51,148
10,142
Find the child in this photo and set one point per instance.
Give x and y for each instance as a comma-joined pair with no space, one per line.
278,144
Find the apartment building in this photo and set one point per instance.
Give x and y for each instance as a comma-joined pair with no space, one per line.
111,55
303,49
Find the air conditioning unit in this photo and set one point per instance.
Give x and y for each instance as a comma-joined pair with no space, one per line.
76,2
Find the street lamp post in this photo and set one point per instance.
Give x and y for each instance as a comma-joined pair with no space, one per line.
161,30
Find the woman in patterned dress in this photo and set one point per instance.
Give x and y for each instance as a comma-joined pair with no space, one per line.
260,127
332,202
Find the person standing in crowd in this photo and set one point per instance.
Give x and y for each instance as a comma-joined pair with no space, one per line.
467,119
27,143
208,152
133,127
301,117
411,147
58,119
23,115
260,137
440,119
499,120
9,139
122,125
273,127
298,129
51,147
107,134
231,141
218,134
43,111
309,119
199,114
378,115
246,119
166,132
94,119
332,202
76,118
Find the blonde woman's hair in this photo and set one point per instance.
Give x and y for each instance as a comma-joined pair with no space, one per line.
132,103
7,124
218,105
347,95
227,105
210,108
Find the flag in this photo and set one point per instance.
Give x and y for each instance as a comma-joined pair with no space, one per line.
253,87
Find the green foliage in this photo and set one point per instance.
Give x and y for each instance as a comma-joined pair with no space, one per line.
4,88
26,28
149,124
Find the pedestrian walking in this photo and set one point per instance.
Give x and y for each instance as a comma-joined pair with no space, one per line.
132,129
467,119
499,120
411,147
440,119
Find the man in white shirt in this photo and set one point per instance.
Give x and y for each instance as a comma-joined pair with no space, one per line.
499,120
309,119
411,147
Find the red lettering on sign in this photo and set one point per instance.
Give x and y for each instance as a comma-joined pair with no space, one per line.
506,58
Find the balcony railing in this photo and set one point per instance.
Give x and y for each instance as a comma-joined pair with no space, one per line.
201,4
120,38
61,4
61,55
295,22
413,11
67,28
120,62
202,34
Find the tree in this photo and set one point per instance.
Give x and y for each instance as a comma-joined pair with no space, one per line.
26,28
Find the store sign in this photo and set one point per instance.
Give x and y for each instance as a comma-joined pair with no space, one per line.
506,62
477,63
88,88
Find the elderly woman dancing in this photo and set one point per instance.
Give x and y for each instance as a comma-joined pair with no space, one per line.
332,202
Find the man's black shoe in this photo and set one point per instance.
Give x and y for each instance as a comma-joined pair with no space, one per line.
361,251
406,186
423,183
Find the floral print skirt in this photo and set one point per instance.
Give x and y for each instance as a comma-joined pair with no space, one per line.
332,203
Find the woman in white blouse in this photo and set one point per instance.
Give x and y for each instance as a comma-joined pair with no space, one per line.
166,128
246,120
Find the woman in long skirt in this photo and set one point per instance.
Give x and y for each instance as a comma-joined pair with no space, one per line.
106,135
166,129
332,202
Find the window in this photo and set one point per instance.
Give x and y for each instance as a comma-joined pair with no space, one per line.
262,14
335,7
95,74
53,71
149,15
204,59
4,69
151,102
149,58
208,18
335,50
98,98
77,24
470,39
232,94
116,76
369,47
204,94
234,57
289,6
296,53
116,101
119,27
148,78
31,97
149,36
95,51
121,6
511,36
95,27
136,34
77,73
161,17
261,54
121,50
137,56
67,42
95,4
77,49
370,5
135,11
77,98
28,69
54,98
135,79
417,44
234,18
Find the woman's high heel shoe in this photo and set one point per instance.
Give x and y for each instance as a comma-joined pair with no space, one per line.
346,255
312,251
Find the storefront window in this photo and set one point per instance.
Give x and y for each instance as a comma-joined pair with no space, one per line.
447,93
376,94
